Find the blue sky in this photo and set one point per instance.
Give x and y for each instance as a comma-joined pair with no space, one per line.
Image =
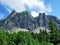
55,7
50,7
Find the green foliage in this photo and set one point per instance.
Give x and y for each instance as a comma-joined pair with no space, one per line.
50,43
0,26
46,43
58,44
55,33
25,12
27,38
52,26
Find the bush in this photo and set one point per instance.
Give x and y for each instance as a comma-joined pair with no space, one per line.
58,44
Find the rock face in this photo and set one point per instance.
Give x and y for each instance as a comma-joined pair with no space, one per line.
55,20
2,22
25,20
22,20
43,20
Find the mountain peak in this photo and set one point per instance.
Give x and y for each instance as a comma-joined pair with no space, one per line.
25,20
26,12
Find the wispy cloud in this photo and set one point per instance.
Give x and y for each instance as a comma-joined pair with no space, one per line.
19,5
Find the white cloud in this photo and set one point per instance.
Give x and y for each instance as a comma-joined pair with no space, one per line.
1,16
34,14
19,5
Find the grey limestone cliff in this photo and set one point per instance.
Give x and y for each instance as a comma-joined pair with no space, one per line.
25,20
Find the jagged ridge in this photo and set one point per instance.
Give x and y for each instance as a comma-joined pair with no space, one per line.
25,20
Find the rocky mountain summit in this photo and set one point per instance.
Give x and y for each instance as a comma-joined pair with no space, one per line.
25,20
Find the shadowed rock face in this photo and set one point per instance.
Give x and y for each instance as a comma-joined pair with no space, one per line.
25,20
2,22
55,20
43,20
